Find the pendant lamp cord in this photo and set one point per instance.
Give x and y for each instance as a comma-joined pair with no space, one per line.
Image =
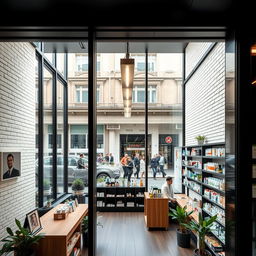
127,51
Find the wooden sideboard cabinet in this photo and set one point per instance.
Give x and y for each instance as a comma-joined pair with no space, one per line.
60,233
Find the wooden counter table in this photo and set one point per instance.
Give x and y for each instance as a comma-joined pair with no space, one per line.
156,212
58,233
183,200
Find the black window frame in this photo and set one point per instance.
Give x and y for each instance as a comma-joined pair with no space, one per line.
43,62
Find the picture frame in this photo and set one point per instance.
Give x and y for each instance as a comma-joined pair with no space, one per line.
10,164
34,223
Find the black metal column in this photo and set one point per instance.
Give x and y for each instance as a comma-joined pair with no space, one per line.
184,97
54,134
146,118
92,133
40,171
65,126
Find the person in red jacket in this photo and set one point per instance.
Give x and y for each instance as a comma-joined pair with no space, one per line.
124,164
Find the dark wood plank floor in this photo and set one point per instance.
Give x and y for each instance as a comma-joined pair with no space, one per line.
125,234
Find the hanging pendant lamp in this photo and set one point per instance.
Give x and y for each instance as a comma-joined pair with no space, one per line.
127,76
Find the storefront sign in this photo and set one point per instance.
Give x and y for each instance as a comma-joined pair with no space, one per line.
168,139
131,149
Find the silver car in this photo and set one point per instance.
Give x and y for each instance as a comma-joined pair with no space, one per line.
73,172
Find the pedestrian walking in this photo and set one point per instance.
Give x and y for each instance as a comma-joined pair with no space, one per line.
129,166
136,162
153,164
124,165
142,166
161,164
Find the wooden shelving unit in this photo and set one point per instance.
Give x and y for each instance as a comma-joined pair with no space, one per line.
61,236
198,171
120,199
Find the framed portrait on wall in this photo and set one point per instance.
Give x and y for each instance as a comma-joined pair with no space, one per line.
34,223
10,165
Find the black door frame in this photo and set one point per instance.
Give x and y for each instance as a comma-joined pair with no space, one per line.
92,35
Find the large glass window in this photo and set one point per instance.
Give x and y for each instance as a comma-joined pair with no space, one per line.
47,150
165,127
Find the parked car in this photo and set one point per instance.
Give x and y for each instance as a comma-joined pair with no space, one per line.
73,172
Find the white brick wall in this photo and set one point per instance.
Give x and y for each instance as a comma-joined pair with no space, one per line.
17,129
205,99
194,52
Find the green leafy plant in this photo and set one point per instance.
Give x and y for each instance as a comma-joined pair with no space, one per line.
21,241
77,185
200,137
182,216
202,228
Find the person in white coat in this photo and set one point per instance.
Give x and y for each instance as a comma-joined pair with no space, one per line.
142,166
167,190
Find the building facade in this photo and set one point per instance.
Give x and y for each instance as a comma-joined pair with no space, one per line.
117,134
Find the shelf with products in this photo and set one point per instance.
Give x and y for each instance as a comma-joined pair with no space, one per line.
197,181
72,242
199,193
214,246
217,220
209,200
213,188
120,198
210,185
192,167
222,175
217,235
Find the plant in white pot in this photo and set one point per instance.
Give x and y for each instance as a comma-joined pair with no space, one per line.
202,228
183,233
200,139
78,187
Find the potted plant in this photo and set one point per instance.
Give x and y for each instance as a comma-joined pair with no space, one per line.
21,242
183,233
85,230
202,228
78,187
200,139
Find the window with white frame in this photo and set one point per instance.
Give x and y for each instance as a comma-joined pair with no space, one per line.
82,63
82,94
140,63
138,95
